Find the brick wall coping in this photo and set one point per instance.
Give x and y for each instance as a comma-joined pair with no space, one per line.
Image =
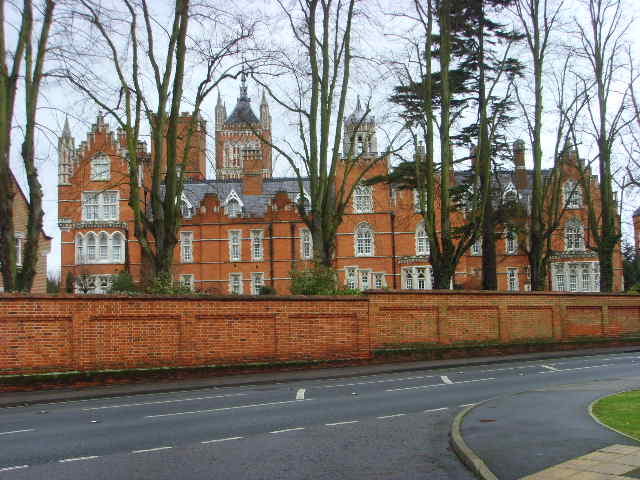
187,298
304,298
499,293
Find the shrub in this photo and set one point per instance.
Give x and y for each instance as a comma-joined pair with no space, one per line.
319,280
267,290
163,284
69,282
123,282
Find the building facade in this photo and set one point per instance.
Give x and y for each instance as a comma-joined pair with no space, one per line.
242,230
20,218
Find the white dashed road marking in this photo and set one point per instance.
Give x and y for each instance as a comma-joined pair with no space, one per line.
288,430
18,431
549,367
346,422
17,467
300,394
221,440
436,410
162,402
77,459
222,409
391,416
437,385
446,379
151,450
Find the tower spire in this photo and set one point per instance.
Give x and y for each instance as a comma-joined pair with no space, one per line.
66,131
243,84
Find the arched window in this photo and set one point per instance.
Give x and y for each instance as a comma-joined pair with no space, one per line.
79,249
103,250
573,235
364,241
116,247
91,247
572,194
422,241
101,167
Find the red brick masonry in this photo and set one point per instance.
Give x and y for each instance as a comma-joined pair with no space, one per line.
44,334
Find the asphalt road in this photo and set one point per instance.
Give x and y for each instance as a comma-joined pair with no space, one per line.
386,426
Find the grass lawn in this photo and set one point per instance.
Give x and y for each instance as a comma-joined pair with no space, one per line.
621,411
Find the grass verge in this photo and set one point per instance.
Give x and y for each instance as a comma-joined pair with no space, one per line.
620,411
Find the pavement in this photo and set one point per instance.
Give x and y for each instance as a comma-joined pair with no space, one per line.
546,434
11,399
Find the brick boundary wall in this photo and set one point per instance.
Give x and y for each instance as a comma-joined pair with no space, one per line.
48,333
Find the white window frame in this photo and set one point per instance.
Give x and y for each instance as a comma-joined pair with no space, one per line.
235,283
80,246
572,194
257,282
422,241
416,201
101,167
574,236
513,285
365,241
92,242
19,248
351,277
257,245
575,276
363,199
186,247
233,205
96,251
306,244
95,207
235,245
476,248
417,277
379,280
188,280
116,255
364,279
103,247
510,242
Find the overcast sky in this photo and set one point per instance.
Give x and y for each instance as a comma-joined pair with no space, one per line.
376,37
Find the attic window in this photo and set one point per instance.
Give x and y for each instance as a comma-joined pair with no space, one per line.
101,167
233,208
186,210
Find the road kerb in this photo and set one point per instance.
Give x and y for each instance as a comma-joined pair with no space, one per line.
464,452
595,419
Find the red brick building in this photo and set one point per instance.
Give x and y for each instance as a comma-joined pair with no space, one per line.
241,230
20,219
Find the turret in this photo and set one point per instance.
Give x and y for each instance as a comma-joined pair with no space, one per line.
265,116
360,133
522,180
221,113
66,153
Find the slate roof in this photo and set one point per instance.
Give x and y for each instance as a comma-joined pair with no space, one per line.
254,205
242,114
637,212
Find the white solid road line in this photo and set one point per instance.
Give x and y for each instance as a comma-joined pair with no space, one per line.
221,440
162,402
77,459
437,385
346,422
435,410
549,367
18,431
300,394
17,467
288,430
446,379
558,370
151,450
222,409
391,416
467,405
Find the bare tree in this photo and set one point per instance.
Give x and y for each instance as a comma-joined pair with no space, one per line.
25,61
538,20
322,30
601,44
148,62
